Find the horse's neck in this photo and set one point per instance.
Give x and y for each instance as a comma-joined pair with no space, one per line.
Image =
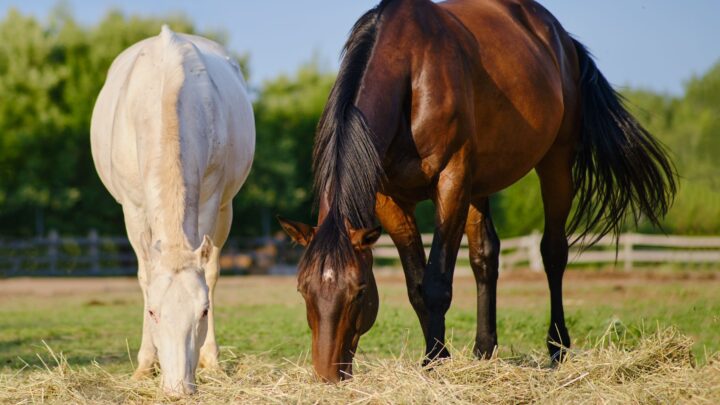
381,97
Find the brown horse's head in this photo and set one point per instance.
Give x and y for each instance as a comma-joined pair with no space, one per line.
335,279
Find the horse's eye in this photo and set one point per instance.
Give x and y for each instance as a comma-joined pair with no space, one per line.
205,312
360,294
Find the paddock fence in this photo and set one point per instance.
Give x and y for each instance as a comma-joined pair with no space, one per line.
95,255
632,249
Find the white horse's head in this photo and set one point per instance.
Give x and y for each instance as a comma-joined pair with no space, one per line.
177,306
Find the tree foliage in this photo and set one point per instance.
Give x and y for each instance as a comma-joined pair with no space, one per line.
286,113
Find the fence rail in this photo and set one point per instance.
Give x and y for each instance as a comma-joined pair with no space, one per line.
94,255
632,249
104,256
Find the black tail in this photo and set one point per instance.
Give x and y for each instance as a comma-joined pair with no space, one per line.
620,170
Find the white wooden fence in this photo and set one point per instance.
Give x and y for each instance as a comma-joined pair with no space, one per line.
55,255
94,255
632,249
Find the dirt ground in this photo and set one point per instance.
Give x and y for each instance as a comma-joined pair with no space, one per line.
515,288
99,319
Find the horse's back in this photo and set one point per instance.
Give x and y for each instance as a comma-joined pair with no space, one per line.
228,121
172,88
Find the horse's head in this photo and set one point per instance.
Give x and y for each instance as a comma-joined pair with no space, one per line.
335,278
177,309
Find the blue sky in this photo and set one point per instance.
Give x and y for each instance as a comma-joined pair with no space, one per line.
655,44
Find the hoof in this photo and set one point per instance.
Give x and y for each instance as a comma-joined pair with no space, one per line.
209,359
435,356
558,354
558,343
485,346
142,373
484,352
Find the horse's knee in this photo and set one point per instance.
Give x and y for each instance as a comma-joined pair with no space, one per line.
212,279
416,297
211,276
437,295
485,260
142,278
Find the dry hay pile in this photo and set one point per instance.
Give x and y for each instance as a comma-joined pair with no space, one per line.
658,369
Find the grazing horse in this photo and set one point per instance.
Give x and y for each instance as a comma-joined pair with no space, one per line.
454,102
173,138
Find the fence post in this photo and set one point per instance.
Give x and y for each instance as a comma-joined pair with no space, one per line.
534,254
94,251
53,242
627,242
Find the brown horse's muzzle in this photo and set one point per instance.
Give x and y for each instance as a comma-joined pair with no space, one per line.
334,343
333,372
333,353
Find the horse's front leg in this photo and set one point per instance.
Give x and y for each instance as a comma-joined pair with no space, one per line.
209,351
147,353
138,235
451,207
398,219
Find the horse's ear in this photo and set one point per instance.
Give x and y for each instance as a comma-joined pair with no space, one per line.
365,238
301,233
204,251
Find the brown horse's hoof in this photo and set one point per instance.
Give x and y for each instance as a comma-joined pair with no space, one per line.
558,344
485,346
484,353
558,354
435,357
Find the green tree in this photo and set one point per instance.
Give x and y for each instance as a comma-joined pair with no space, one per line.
286,113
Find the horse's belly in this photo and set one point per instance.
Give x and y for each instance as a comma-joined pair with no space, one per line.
504,154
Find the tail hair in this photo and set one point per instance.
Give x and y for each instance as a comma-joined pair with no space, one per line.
621,171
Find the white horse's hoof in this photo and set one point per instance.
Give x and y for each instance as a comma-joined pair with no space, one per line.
209,358
142,373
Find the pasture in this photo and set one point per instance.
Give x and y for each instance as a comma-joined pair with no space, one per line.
639,337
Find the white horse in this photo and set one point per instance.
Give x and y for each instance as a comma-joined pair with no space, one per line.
173,138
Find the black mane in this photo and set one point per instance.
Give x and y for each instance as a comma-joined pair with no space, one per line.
346,164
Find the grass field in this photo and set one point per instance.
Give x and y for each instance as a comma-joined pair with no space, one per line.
98,321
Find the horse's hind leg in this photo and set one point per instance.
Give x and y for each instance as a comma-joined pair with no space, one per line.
555,172
484,247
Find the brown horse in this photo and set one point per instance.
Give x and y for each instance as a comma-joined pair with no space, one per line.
453,102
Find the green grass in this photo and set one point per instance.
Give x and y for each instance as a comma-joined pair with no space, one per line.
266,316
